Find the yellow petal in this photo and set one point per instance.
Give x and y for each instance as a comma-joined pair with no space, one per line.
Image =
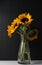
29,16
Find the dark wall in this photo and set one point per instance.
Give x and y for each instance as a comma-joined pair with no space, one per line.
10,9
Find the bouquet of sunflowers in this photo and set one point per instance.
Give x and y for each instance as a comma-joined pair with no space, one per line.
22,24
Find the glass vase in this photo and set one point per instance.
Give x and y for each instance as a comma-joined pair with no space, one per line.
24,51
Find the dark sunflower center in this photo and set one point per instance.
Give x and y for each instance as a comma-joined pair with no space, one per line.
24,19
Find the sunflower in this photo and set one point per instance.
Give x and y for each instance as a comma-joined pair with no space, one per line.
25,18
34,35
16,22
11,30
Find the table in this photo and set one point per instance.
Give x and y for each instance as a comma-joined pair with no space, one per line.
33,62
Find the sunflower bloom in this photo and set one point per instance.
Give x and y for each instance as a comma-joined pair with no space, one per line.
25,18
35,36
11,30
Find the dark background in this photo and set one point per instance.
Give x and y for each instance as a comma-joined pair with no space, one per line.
9,10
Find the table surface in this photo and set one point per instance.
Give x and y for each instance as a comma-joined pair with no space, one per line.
33,62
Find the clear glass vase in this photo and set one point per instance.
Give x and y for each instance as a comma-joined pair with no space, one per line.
24,51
